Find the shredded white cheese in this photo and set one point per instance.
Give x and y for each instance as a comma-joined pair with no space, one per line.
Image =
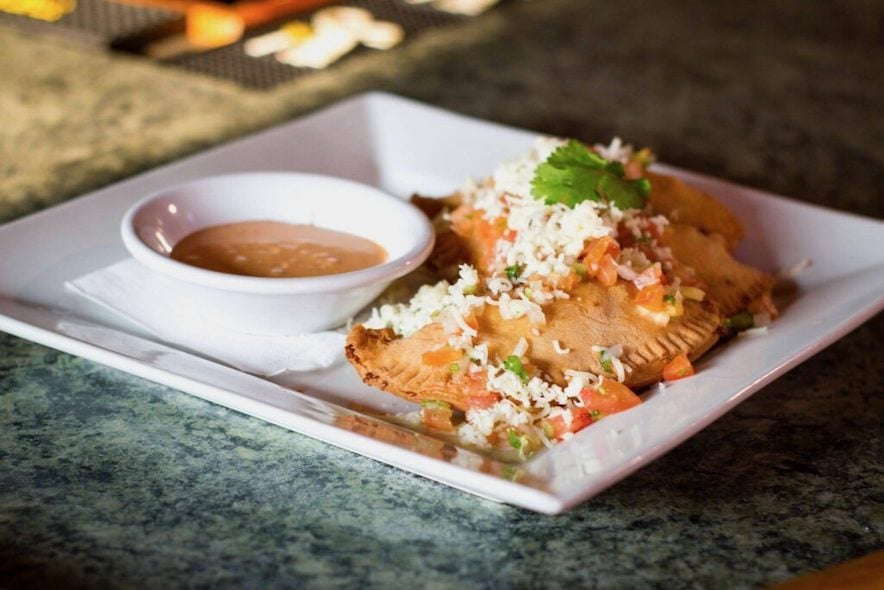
557,346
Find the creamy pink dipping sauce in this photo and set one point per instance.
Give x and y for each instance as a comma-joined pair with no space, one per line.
277,250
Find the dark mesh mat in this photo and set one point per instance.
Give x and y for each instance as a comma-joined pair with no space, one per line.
265,72
104,22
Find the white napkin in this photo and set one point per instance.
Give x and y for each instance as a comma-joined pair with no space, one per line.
140,295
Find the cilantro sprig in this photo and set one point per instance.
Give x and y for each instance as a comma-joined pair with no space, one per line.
573,173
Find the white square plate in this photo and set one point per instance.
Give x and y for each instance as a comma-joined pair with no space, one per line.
405,147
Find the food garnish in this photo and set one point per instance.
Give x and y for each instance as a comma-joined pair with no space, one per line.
678,368
566,244
514,364
573,173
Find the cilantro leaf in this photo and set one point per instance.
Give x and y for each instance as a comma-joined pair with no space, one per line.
573,173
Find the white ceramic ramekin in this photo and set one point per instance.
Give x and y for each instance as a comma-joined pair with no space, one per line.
276,306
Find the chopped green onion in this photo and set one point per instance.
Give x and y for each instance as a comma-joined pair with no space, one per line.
514,364
471,289
521,443
529,292
513,271
454,368
669,299
739,322
581,271
607,365
515,439
433,404
595,414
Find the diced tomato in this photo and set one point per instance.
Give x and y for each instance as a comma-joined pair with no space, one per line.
651,297
487,237
472,225
481,400
472,320
462,220
649,276
437,416
580,419
486,230
476,394
606,273
613,249
555,427
595,249
442,356
569,282
609,397
475,382
488,233
678,368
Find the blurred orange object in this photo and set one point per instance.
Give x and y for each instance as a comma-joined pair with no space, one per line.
212,24
863,573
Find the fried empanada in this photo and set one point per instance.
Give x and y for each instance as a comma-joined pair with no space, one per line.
546,302
432,206
593,316
682,203
730,284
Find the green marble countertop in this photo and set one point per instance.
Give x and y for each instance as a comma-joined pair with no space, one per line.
107,480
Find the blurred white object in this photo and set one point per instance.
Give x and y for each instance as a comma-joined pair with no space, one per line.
289,35
347,17
467,7
334,32
326,47
382,35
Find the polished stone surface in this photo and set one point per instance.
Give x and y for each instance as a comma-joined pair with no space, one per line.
107,480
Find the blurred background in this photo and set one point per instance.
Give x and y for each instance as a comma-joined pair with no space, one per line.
95,90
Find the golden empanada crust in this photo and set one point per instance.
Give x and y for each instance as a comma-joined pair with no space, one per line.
682,203
593,316
729,283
